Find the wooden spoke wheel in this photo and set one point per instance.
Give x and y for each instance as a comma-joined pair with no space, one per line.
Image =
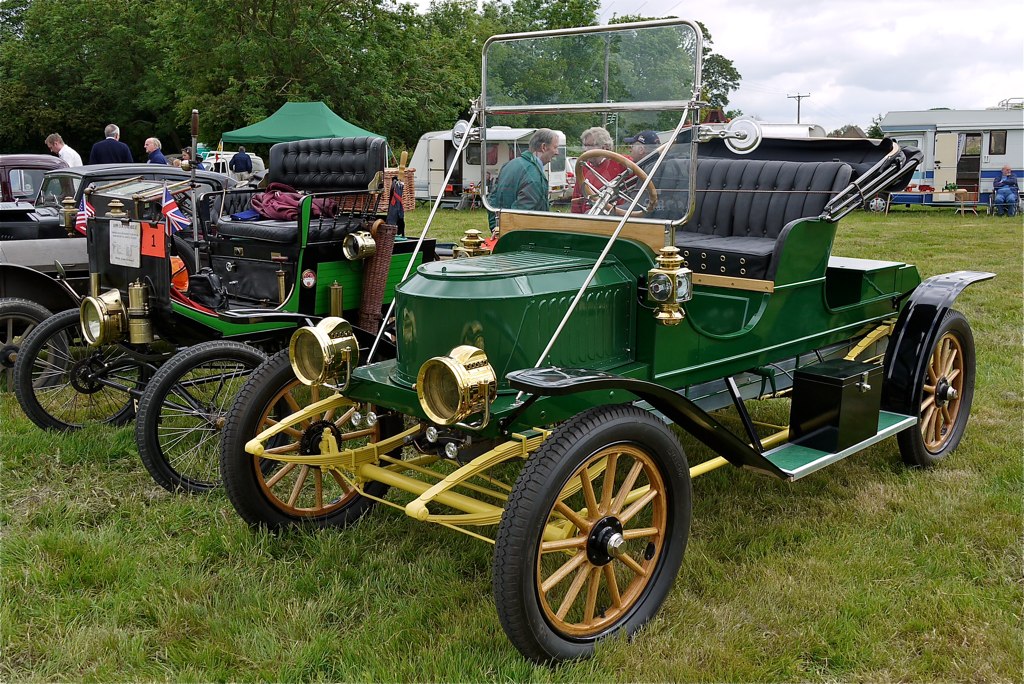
277,494
614,192
945,391
607,533
594,533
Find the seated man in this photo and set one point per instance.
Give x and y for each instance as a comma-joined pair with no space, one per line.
1007,193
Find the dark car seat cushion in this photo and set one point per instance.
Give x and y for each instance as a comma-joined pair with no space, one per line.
742,207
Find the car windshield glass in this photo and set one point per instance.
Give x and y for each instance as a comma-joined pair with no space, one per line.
612,99
56,187
25,182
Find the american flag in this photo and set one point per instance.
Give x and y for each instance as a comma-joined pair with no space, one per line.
85,212
175,219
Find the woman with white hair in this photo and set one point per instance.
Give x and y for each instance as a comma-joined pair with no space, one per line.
591,176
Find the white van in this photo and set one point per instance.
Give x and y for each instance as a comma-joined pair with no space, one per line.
218,161
435,150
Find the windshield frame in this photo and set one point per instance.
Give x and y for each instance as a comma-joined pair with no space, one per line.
689,109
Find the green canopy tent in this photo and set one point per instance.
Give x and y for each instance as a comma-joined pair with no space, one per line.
297,121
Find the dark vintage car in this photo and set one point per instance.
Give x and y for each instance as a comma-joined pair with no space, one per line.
22,174
33,239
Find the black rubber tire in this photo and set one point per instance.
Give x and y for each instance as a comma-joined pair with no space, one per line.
61,337
547,471
18,317
184,251
913,447
243,474
197,468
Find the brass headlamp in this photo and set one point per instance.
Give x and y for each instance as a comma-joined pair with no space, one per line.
669,284
324,352
103,318
454,387
358,245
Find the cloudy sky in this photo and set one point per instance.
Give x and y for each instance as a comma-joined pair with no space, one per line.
858,58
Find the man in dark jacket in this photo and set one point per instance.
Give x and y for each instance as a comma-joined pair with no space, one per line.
240,163
110,150
521,182
156,155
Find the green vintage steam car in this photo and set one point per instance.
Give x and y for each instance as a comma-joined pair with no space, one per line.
534,393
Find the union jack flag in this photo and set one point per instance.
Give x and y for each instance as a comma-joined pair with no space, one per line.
85,212
175,219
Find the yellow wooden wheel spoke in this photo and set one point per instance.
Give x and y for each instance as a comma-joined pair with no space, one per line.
290,431
637,506
572,516
345,486
289,448
318,484
952,375
288,467
629,562
627,487
588,493
613,586
573,592
563,544
563,572
593,584
608,488
950,360
297,489
640,533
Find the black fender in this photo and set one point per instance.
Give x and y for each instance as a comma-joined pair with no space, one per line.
914,336
27,283
553,382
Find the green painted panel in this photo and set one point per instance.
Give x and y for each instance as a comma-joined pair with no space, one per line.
349,274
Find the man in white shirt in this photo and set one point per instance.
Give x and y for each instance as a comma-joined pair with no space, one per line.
57,146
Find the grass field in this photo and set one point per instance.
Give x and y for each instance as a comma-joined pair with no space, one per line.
863,571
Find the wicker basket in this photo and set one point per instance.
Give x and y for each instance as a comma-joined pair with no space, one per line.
409,194
357,202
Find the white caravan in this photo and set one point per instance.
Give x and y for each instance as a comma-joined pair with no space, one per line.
434,152
965,148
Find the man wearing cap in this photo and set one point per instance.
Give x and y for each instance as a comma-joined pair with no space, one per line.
521,182
643,143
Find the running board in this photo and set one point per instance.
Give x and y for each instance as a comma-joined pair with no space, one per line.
796,461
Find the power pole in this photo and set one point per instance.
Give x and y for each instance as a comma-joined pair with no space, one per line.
798,97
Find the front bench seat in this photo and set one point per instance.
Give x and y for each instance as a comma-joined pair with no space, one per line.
319,165
744,208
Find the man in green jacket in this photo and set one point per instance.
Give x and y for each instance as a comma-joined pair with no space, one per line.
522,183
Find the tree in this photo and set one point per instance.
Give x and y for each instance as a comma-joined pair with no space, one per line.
875,129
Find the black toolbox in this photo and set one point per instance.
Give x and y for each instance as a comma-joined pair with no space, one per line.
835,404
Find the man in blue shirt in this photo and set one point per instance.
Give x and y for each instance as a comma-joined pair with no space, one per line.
156,156
521,182
240,163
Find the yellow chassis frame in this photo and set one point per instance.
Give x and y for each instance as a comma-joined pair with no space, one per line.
371,463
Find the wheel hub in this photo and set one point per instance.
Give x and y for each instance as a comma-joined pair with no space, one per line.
8,355
310,442
944,392
84,376
605,541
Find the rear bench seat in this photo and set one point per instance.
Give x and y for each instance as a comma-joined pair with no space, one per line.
744,208
321,165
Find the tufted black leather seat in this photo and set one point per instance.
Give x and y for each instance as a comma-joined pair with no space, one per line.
319,165
743,209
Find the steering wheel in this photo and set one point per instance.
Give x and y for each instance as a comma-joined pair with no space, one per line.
607,198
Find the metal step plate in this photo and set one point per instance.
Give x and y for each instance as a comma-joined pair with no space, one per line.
797,461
